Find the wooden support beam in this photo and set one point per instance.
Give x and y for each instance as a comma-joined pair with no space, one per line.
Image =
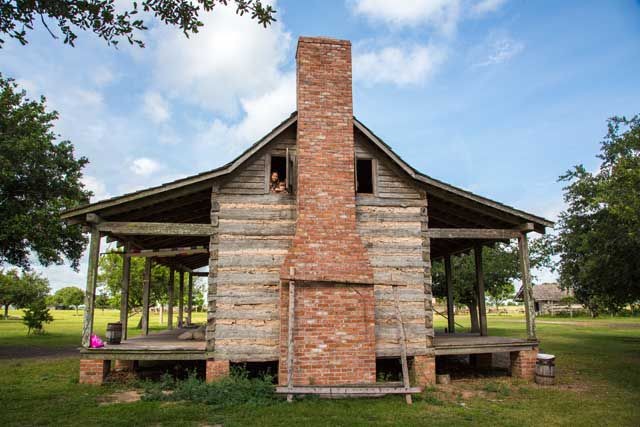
146,293
124,297
345,391
291,325
527,291
473,233
200,273
190,299
403,347
156,228
167,252
171,299
181,300
482,308
450,308
90,295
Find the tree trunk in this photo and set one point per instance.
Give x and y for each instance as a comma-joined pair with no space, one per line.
473,312
139,325
6,312
161,314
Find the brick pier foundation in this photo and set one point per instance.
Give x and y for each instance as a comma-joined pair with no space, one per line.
93,371
217,369
523,364
424,368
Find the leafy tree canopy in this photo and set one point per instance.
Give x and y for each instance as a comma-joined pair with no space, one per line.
111,20
599,237
69,296
501,267
39,178
21,289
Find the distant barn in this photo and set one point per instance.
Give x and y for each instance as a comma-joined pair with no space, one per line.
550,298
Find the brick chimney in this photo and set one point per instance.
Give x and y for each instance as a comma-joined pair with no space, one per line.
326,246
334,317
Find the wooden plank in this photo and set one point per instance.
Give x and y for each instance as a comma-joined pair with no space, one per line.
477,251
342,391
291,323
124,297
146,291
190,299
403,347
472,233
527,292
181,300
90,294
450,307
171,299
156,228
168,252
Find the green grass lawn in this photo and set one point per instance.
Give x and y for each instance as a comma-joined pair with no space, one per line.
598,363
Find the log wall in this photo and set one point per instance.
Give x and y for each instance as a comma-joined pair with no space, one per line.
254,233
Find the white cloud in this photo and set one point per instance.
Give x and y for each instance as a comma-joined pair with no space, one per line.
103,75
262,113
499,49
440,14
400,66
96,186
230,58
156,107
144,166
486,6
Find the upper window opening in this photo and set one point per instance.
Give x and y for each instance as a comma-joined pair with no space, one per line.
278,175
364,176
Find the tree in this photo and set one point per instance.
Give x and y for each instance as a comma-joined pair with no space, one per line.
39,178
110,277
35,315
20,290
69,296
599,232
501,268
113,21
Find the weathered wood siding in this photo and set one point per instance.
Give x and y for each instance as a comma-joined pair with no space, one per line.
255,229
391,223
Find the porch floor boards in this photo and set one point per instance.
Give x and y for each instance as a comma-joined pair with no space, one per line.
473,343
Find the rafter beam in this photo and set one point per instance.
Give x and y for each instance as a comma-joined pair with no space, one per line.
156,228
473,233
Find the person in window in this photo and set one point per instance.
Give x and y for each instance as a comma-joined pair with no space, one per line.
276,186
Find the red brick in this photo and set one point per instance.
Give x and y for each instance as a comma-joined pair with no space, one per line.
216,369
523,364
334,334
424,369
93,371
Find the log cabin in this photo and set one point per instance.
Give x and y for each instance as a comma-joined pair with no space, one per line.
327,278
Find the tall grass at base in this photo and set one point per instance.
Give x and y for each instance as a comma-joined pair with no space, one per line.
235,389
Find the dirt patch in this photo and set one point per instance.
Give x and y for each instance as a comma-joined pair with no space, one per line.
22,352
128,396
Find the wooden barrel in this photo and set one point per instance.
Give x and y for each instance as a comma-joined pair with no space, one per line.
114,333
546,369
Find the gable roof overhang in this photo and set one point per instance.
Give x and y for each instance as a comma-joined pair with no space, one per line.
188,200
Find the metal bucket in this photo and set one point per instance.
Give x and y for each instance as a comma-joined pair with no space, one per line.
114,333
545,369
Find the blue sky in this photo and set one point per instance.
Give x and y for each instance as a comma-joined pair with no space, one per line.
499,97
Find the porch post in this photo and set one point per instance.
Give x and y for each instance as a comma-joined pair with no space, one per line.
146,285
450,309
482,309
527,292
181,300
190,299
92,278
124,297
171,300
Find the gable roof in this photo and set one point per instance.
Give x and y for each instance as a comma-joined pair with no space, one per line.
202,180
546,292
